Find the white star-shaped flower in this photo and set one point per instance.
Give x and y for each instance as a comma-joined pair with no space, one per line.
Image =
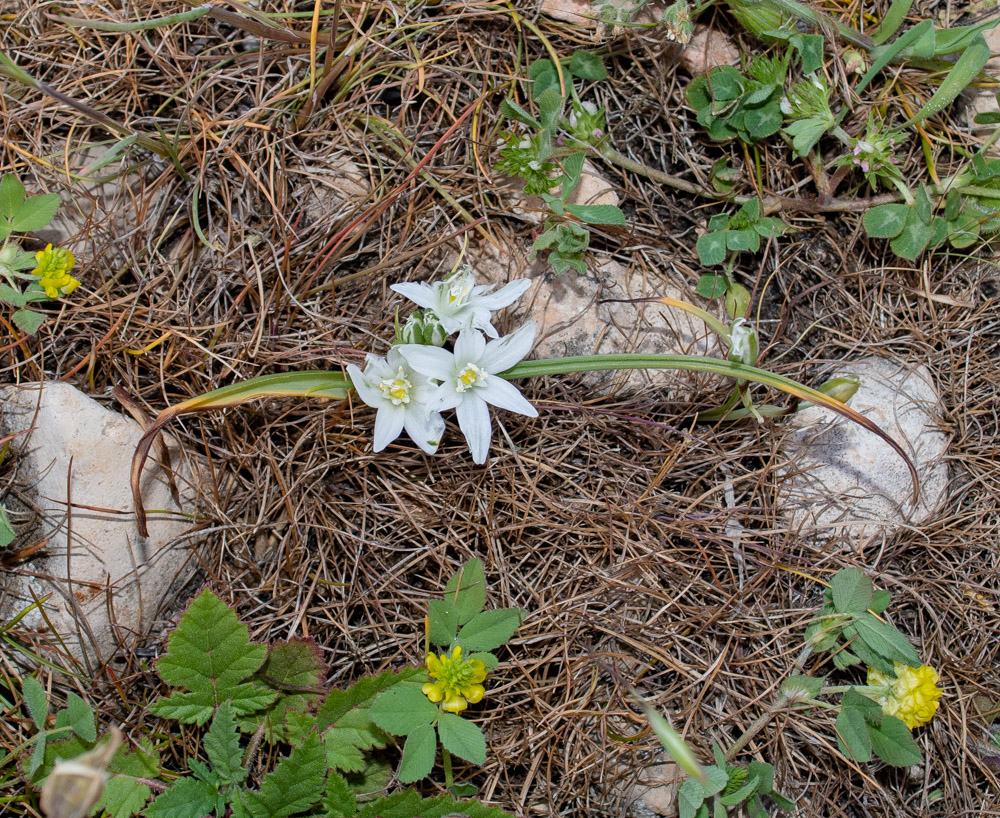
469,380
460,303
401,397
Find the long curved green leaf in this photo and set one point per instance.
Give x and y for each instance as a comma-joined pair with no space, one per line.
975,56
893,19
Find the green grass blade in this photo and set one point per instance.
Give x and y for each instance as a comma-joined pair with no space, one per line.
893,19
965,71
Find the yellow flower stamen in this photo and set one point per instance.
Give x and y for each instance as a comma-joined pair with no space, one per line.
458,681
911,697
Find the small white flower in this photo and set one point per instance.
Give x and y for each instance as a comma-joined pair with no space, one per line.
460,303
401,396
742,342
469,380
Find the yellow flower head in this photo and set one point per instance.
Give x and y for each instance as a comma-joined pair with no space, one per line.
458,681
912,696
52,268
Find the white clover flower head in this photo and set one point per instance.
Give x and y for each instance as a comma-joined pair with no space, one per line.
459,303
401,397
469,380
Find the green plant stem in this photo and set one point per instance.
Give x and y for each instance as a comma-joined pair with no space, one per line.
823,22
446,761
756,727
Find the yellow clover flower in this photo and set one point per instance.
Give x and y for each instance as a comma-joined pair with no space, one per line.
911,697
458,681
52,268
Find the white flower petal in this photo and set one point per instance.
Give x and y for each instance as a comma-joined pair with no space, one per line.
371,395
388,424
469,347
504,395
445,397
505,296
503,354
431,361
474,421
423,295
425,429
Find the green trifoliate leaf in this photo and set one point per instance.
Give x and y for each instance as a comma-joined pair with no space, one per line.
690,797
467,589
852,735
598,214
81,717
887,641
402,710
893,743
12,194
490,629
187,798
712,286
852,591
711,248
885,221
35,213
209,654
418,754
913,239
802,688
462,738
442,621
587,66
222,745
293,786
28,320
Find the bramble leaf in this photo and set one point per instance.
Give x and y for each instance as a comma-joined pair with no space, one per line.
222,745
339,801
295,670
187,798
293,786
409,804
209,654
123,795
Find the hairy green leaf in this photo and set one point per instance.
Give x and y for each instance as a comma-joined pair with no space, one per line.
209,654
711,248
187,798
887,641
598,213
462,738
587,66
81,717
690,797
339,801
467,587
852,591
28,320
418,754
852,734
36,700
512,110
123,795
974,56
294,785
442,621
222,745
409,804
490,629
893,743
295,670
402,710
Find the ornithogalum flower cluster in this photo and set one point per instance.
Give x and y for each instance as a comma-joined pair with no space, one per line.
421,377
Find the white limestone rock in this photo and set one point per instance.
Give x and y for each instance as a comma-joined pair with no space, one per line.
842,481
107,583
655,793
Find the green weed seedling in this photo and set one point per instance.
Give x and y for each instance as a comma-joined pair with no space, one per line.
250,694
47,275
873,720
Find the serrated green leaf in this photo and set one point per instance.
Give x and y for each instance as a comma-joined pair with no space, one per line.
12,194
28,320
462,738
123,795
893,743
852,591
222,745
81,717
844,659
885,640
342,750
402,710
36,700
7,532
291,669
587,66
572,166
852,735
35,212
418,754
294,785
913,239
408,804
711,248
690,796
339,801
598,213
362,693
806,133
550,105
885,221
741,794
763,771
512,110
467,587
12,296
187,798
490,629
442,621
209,654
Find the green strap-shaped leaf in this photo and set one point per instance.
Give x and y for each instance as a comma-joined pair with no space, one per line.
973,58
893,19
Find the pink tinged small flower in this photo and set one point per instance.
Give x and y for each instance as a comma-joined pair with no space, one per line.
460,303
400,395
865,166
470,383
